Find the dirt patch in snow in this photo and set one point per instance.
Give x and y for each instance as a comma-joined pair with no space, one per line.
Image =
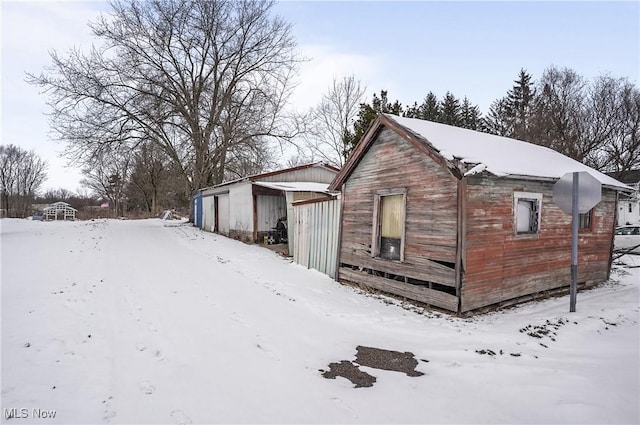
376,358
348,370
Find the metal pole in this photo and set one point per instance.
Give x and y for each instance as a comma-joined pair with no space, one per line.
575,217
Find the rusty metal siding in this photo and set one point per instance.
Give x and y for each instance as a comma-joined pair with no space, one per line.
315,235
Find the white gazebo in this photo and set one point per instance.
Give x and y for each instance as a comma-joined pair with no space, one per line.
53,211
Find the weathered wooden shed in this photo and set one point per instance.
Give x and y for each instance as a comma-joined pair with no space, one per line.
463,220
250,207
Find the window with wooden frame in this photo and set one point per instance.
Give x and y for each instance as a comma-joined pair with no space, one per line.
527,212
585,220
389,214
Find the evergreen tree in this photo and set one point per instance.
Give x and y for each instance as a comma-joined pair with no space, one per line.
430,109
413,111
450,110
520,101
367,114
498,119
470,116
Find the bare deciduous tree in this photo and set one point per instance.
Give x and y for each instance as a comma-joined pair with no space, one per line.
333,120
622,145
559,112
197,78
150,178
55,195
596,123
21,176
106,177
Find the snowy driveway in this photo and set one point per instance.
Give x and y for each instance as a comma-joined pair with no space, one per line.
133,322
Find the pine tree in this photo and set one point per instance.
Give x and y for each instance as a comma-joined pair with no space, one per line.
412,111
520,101
430,109
498,119
450,110
470,116
367,114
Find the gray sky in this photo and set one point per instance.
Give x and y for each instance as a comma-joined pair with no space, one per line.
408,48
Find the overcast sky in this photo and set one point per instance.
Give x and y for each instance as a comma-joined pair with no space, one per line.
472,49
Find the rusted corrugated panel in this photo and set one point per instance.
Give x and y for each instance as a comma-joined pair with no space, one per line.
316,235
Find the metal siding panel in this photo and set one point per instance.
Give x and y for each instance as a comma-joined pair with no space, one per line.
207,214
291,222
240,211
316,235
313,174
270,209
223,214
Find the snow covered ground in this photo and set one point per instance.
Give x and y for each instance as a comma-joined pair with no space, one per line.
135,322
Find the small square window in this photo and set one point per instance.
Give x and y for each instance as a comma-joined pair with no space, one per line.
527,212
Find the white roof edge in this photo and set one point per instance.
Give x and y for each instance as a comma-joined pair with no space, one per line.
295,186
254,176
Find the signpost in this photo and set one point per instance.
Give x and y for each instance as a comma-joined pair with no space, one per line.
576,193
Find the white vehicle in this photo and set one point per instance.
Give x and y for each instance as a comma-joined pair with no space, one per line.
627,238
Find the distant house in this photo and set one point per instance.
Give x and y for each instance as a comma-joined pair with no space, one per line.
463,220
629,205
59,211
249,208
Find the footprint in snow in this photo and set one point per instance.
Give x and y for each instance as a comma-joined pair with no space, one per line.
147,388
180,418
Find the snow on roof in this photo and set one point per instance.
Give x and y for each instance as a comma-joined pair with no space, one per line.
501,156
59,206
295,186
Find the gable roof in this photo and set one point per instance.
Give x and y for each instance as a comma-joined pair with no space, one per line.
59,206
467,152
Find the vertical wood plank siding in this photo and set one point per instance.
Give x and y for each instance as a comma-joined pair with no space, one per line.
431,217
499,266
493,264
316,235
